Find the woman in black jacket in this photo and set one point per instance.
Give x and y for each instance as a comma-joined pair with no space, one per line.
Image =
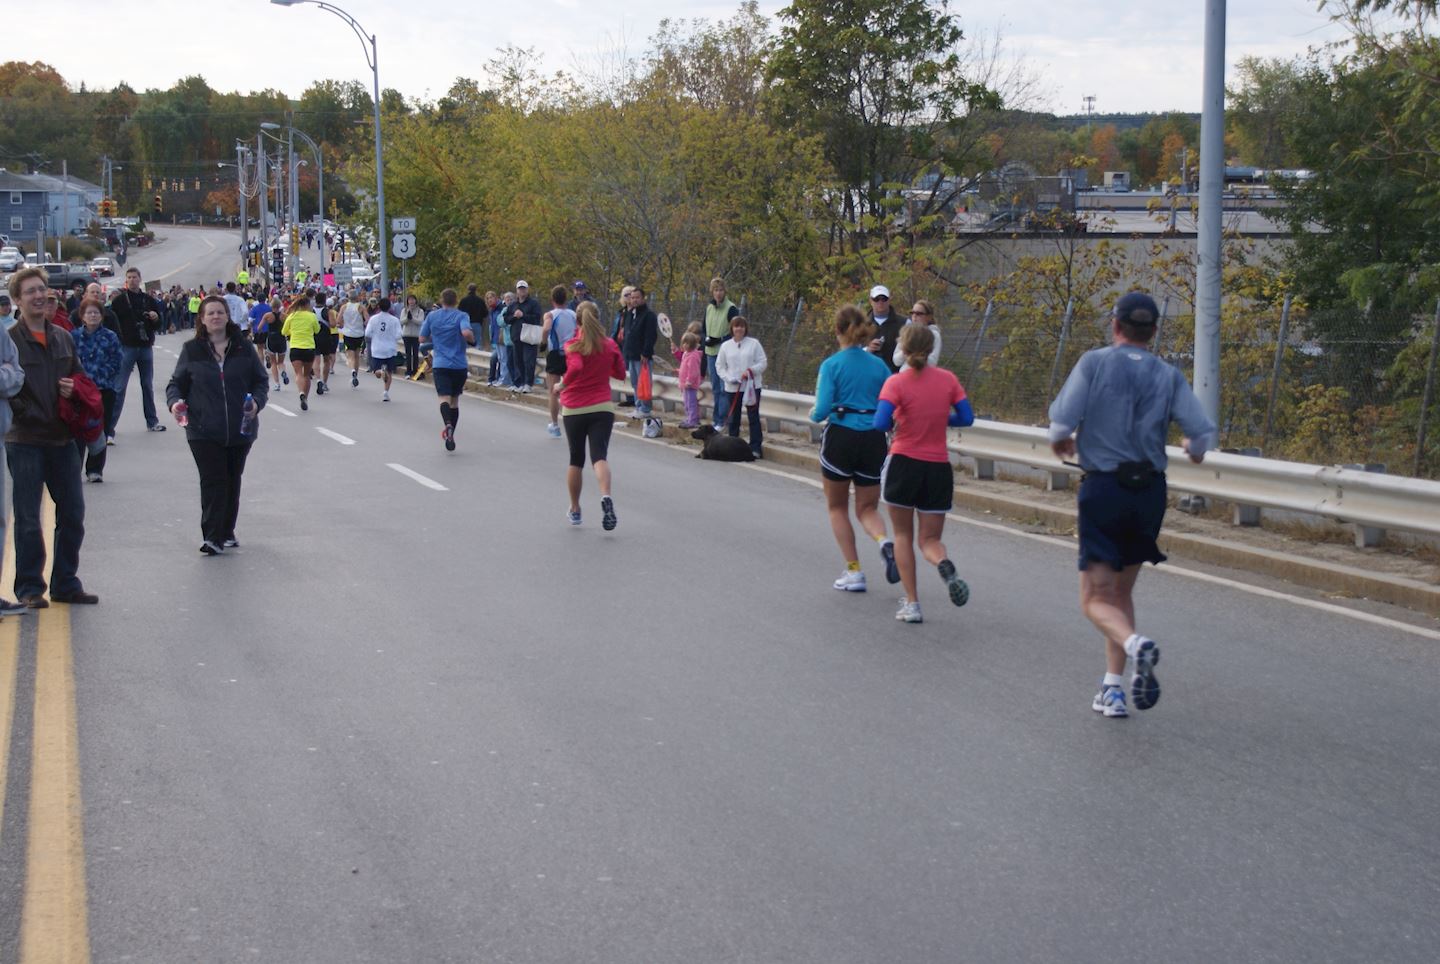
216,373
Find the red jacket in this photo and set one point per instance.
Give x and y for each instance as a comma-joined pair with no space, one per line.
587,377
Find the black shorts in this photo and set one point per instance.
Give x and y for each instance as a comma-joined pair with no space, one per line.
847,454
908,483
324,344
302,355
449,381
275,343
354,342
1120,526
555,362
384,364
592,429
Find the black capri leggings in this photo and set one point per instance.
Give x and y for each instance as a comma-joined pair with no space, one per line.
592,427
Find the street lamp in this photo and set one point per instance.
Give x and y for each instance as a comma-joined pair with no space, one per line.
371,58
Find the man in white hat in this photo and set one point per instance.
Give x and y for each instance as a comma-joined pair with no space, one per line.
525,311
887,325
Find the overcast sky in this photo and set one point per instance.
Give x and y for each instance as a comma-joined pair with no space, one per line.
1146,59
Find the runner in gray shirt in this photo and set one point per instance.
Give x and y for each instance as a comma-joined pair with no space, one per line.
1115,410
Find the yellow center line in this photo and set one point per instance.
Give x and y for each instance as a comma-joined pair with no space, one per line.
9,660
53,921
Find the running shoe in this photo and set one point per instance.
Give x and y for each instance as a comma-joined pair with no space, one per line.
230,543
320,388
157,427
8,608
573,516
1144,687
959,592
448,434
109,440
354,378
385,395
1110,701
909,612
210,549
553,430
607,519
285,377
93,477
892,571
275,387
851,581
303,406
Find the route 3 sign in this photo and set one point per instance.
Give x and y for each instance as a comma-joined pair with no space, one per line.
402,246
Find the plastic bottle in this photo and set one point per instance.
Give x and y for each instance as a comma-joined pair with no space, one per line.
182,416
247,417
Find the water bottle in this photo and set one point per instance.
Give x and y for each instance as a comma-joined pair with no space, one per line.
182,417
247,416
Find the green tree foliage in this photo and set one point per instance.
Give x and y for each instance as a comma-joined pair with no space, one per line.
1263,107
882,83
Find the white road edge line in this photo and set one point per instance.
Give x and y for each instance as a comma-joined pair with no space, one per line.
412,474
272,407
335,435
1170,569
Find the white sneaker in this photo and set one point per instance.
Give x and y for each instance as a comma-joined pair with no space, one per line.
524,389
909,612
1110,701
385,395
553,430
851,581
275,387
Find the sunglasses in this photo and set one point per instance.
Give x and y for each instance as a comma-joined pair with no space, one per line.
923,314
880,298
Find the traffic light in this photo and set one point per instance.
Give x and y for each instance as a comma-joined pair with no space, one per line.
159,204
107,208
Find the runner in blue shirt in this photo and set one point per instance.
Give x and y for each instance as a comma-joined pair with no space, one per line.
447,331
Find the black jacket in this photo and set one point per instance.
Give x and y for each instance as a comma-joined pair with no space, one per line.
216,399
136,330
889,334
641,330
532,315
475,307
36,406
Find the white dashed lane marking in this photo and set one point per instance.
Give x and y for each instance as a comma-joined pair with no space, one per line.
334,435
412,474
272,407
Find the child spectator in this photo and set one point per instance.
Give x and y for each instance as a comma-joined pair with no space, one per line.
690,378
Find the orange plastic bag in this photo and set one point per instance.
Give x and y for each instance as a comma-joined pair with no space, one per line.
643,388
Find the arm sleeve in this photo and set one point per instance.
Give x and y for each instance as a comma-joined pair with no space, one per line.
758,366
961,415
1068,409
652,332
1185,409
179,384
12,376
884,415
617,365
824,394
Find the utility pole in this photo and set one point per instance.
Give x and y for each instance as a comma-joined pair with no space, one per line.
1212,185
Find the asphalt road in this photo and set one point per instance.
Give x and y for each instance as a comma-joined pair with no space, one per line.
191,256
404,723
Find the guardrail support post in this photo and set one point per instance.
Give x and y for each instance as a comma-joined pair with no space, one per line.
1245,515
1368,537
1057,481
985,469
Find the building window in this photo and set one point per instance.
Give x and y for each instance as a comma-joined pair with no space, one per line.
17,223
16,198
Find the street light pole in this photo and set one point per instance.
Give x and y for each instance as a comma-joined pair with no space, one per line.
367,42
1212,186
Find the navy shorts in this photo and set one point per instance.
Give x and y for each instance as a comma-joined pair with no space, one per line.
387,364
847,454
449,381
1119,526
354,342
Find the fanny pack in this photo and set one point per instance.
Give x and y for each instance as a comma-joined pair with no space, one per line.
1135,475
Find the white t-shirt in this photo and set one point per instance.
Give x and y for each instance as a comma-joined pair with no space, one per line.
383,331
352,320
238,312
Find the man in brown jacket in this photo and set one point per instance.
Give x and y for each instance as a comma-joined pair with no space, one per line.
41,451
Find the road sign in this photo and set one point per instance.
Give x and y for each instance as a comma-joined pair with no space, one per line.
402,226
402,246
344,273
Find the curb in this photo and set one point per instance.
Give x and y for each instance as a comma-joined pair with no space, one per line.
1327,577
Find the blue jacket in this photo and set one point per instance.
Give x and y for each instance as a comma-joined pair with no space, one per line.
99,354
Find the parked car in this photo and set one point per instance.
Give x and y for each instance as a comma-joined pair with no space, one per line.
103,267
189,218
10,258
64,276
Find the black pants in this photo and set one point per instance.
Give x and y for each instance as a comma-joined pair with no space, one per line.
220,469
412,354
753,411
96,463
592,429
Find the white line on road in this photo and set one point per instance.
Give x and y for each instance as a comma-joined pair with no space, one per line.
272,407
1171,570
335,435
410,473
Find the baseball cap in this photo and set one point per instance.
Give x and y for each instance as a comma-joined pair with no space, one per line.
5,300
1137,308
580,285
879,291
522,284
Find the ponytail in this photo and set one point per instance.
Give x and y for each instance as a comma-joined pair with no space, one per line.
916,343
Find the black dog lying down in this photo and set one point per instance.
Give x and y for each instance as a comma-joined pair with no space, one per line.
722,448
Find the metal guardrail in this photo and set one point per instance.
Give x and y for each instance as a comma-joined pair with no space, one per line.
1344,495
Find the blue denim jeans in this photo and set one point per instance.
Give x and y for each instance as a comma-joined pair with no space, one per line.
633,367
717,389
129,359
34,469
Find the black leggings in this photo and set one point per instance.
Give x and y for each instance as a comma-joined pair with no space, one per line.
593,427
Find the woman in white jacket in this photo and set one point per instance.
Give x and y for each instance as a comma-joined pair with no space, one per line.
740,364
922,314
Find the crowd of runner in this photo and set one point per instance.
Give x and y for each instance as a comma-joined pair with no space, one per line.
886,404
